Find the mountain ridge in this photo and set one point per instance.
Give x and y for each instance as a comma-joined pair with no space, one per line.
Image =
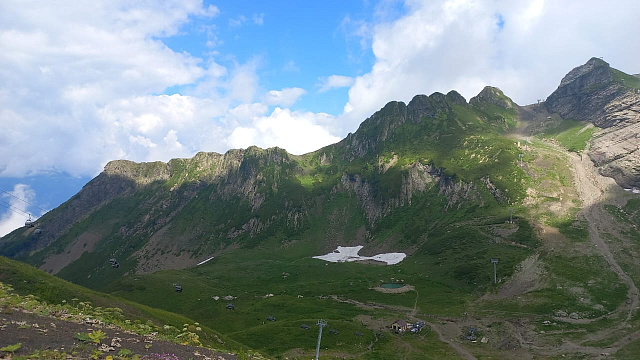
450,183
389,134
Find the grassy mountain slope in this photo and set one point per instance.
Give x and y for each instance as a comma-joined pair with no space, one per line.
25,288
435,178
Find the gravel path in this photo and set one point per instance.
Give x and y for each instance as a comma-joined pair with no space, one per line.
594,190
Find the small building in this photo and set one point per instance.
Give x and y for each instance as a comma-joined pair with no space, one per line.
399,326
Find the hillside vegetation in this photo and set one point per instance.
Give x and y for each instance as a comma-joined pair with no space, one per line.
452,184
25,290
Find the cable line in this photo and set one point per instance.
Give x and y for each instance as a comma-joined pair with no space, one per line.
15,209
23,200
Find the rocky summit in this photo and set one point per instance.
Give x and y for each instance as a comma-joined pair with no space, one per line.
439,229
609,99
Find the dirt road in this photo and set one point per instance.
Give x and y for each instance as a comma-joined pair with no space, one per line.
595,190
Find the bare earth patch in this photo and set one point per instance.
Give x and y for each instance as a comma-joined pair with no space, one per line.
405,288
37,332
83,243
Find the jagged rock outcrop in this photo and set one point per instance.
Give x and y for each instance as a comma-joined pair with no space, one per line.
417,179
597,93
584,93
140,173
616,150
378,127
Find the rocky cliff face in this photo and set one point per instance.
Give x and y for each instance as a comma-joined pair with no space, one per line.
417,179
616,149
584,93
597,93
377,128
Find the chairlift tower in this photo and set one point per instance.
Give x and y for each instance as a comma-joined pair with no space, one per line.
521,156
510,215
494,261
321,323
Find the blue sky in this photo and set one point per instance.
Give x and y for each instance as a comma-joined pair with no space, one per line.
83,83
293,43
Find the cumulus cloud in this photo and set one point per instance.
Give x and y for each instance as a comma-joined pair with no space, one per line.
297,132
63,65
81,83
285,97
162,127
16,209
335,81
244,83
79,86
523,47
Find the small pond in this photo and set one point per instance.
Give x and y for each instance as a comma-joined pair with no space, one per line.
391,286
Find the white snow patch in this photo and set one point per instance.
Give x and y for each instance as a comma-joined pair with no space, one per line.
350,253
202,262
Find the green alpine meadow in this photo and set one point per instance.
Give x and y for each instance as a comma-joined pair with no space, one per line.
443,228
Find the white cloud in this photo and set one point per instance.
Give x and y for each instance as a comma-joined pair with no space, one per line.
79,81
247,111
16,210
141,140
335,81
244,82
458,44
182,124
285,97
290,66
63,66
78,85
237,21
297,132
258,19
210,11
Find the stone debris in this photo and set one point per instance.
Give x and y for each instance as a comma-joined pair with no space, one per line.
561,313
106,348
115,342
